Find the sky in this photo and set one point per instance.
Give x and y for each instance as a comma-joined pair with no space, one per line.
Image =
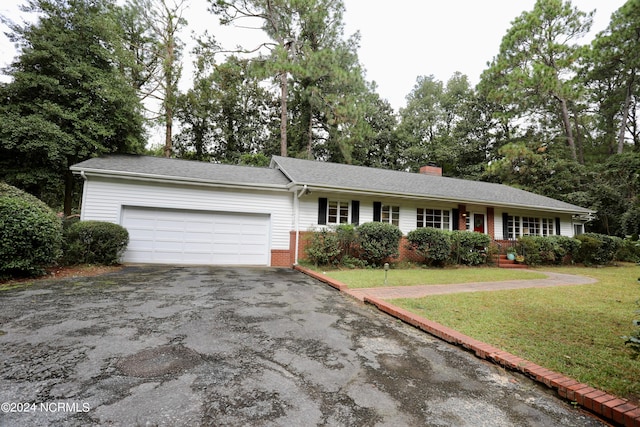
399,40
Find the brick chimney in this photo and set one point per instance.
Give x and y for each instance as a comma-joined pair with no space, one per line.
431,169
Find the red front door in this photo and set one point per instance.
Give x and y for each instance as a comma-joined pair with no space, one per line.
478,223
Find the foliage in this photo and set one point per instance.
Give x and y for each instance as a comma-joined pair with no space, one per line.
432,244
348,241
227,114
95,242
68,99
469,248
547,250
598,249
532,73
378,241
629,250
30,233
158,22
322,247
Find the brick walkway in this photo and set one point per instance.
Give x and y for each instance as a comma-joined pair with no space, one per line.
392,292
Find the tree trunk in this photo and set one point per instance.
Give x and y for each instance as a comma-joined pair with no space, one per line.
310,135
168,131
283,114
68,192
580,147
566,121
625,115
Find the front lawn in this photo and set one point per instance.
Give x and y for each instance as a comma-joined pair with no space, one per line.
574,330
372,278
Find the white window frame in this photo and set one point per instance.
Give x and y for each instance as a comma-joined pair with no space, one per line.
445,218
390,214
547,227
341,207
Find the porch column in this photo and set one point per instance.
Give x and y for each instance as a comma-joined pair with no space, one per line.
491,228
462,219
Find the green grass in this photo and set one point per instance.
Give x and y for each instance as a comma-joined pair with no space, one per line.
574,330
372,278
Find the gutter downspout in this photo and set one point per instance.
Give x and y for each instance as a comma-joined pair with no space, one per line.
296,208
84,194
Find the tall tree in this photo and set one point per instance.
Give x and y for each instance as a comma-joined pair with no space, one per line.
317,71
278,20
535,68
615,75
68,100
160,56
226,114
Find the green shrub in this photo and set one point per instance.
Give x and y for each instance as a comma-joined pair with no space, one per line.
597,249
347,240
629,250
322,247
432,244
378,241
30,234
469,248
564,247
95,242
547,250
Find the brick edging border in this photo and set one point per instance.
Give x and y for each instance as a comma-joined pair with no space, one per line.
609,407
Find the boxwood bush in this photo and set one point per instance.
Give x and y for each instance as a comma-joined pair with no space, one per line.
378,241
433,244
30,234
95,242
597,249
469,248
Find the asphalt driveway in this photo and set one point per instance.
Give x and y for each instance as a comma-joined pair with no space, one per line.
240,346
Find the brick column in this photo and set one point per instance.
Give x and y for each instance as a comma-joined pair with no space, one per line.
462,221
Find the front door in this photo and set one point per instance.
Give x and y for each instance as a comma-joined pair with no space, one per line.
478,223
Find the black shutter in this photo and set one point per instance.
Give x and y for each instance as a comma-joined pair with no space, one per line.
355,212
456,219
322,210
557,226
377,211
505,226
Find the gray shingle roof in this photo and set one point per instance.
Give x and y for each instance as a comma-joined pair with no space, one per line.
285,171
183,170
359,178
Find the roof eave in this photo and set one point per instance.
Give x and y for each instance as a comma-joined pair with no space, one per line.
174,179
444,199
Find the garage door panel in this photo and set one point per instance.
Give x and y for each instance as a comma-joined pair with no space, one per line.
195,237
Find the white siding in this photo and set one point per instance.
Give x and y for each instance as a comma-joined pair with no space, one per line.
566,224
103,200
309,212
309,209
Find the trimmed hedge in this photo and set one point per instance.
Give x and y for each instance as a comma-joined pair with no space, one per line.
469,248
95,242
30,234
378,241
433,244
598,249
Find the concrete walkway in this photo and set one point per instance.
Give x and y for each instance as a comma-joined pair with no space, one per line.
392,292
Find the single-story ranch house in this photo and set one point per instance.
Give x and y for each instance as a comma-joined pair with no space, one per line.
188,212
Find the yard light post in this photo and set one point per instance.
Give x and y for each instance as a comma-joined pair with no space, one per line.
386,269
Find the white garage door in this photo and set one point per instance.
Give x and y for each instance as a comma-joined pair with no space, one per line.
171,236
